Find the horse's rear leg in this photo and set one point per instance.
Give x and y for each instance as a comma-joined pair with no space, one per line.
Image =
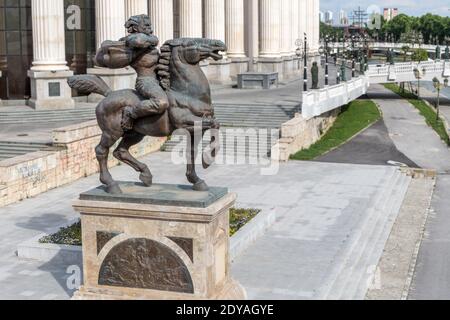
123,154
102,153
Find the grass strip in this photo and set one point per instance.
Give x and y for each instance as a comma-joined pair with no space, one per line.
355,116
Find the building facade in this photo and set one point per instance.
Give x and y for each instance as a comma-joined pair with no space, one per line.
343,18
42,42
329,17
390,13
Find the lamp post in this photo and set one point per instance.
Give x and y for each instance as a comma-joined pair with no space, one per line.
324,49
438,86
353,40
418,76
302,51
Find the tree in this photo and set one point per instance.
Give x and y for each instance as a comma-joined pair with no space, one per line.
399,25
420,55
405,51
431,26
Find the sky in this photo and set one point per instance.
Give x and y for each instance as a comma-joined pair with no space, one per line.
410,7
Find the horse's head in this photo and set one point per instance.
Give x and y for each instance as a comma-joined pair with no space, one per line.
184,55
193,50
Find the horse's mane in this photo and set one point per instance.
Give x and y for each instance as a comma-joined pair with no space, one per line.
165,58
163,65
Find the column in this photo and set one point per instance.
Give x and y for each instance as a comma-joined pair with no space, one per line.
308,17
252,32
270,16
110,25
109,20
302,14
316,22
286,28
161,15
218,71
49,51
235,28
135,7
215,19
49,71
191,22
270,59
295,24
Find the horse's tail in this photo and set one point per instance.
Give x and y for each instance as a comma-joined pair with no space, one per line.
87,84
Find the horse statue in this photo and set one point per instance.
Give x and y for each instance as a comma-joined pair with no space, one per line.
190,108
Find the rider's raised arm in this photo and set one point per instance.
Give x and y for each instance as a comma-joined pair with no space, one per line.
142,41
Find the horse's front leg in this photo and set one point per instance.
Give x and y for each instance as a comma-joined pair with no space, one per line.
191,154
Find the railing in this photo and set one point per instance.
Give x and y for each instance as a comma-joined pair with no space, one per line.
404,71
386,45
318,102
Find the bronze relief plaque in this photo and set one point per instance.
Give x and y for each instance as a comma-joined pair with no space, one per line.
145,264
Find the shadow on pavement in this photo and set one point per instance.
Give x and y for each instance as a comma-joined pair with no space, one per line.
372,147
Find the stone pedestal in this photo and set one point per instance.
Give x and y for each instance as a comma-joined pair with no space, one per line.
238,65
219,72
446,72
158,243
257,80
288,66
117,79
49,90
272,65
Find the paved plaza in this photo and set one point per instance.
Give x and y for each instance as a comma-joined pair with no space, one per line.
324,242
310,207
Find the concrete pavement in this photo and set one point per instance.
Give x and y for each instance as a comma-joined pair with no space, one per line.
409,131
422,145
299,258
373,146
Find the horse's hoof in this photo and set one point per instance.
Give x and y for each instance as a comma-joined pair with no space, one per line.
114,189
146,180
201,186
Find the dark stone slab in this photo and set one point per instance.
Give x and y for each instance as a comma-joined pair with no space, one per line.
158,194
257,80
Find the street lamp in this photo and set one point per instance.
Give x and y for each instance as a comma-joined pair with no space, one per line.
302,50
324,49
353,40
438,86
418,75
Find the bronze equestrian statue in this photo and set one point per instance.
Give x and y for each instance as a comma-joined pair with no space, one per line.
172,93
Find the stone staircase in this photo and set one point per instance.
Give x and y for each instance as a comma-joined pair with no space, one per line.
356,263
14,149
47,116
247,131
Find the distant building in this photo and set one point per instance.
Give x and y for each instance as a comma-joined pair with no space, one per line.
343,19
390,13
321,16
329,17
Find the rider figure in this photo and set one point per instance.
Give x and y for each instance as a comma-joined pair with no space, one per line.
141,53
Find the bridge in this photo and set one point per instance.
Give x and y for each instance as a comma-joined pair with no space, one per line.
397,46
406,72
318,102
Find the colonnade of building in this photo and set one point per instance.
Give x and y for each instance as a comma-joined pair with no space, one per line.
261,35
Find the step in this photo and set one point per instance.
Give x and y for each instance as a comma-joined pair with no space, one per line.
359,236
345,257
369,237
358,287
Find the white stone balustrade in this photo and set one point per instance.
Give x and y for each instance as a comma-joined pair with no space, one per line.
318,102
404,71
